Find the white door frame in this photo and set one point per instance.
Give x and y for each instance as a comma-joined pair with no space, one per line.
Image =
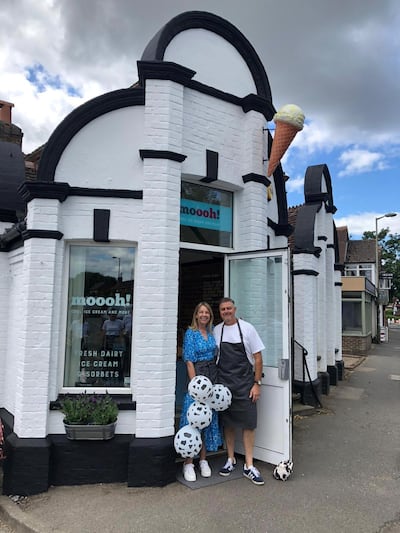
273,441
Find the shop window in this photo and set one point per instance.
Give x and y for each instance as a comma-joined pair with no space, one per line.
99,317
351,316
206,215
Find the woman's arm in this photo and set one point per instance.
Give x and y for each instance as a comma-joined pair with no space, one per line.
191,372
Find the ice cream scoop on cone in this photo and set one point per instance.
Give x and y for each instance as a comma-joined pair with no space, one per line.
288,120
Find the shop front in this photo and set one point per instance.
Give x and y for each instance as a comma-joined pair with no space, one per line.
148,200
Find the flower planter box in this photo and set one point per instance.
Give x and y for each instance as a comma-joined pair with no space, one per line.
90,431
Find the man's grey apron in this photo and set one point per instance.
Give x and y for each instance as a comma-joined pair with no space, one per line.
236,373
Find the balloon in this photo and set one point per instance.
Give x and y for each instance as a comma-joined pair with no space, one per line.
200,388
221,397
187,441
199,415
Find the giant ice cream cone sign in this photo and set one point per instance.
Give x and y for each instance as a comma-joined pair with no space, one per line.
289,119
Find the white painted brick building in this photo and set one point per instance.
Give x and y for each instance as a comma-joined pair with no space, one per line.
148,200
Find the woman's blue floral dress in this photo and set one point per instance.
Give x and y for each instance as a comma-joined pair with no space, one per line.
197,348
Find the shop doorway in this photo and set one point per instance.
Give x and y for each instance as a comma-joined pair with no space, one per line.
201,278
259,284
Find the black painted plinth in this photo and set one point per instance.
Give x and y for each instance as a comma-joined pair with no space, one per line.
26,469
333,374
325,382
84,462
340,368
152,462
310,392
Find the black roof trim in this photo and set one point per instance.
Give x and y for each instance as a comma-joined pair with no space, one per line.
12,237
77,119
313,186
41,234
160,70
164,70
44,189
280,229
156,48
61,190
305,272
8,215
162,154
258,178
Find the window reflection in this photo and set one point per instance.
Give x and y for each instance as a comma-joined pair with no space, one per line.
99,318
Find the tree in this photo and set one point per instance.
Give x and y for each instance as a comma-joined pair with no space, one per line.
389,244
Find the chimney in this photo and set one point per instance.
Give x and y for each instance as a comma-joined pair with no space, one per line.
5,111
8,131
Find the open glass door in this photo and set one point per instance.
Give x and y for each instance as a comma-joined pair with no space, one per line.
258,282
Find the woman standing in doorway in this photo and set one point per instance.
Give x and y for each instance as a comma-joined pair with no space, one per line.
199,351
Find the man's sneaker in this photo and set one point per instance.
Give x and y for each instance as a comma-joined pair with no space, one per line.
253,474
188,472
228,468
205,469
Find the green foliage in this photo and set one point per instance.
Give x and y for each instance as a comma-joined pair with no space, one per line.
389,244
89,409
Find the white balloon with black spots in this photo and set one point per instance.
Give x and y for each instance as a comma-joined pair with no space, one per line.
200,388
187,441
221,397
199,415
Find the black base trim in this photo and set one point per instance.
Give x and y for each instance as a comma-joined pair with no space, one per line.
152,462
325,382
84,462
26,469
340,369
308,392
333,374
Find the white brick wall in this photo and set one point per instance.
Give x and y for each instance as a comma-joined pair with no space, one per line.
338,316
305,294
174,119
31,392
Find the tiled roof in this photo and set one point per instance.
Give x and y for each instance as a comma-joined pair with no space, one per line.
362,251
342,239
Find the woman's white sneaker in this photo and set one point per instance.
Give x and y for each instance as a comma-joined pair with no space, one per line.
205,469
188,472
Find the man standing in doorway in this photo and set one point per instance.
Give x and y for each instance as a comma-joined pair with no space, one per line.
239,369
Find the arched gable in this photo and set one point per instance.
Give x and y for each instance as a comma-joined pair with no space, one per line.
317,193
156,49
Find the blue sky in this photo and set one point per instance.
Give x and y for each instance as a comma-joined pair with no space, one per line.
339,61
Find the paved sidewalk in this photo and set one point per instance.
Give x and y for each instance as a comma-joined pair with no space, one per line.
346,477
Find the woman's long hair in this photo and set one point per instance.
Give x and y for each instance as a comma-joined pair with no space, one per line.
195,325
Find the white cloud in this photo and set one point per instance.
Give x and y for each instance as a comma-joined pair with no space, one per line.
361,222
357,161
295,185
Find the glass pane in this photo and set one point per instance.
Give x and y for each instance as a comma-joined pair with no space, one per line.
99,318
260,300
351,316
206,215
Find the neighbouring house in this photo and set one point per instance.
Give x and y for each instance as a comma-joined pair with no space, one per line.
316,277
363,299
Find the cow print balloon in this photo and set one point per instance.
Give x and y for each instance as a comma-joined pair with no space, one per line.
187,441
221,397
200,388
199,415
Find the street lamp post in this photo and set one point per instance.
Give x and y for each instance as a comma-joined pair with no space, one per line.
377,267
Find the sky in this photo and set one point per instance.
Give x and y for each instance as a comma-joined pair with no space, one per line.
338,60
